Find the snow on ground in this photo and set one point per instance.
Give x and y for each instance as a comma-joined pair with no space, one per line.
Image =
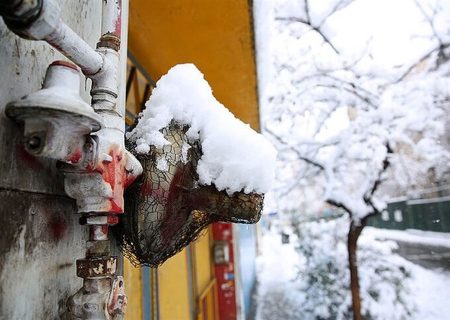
279,298
278,263
431,290
234,156
411,235
276,271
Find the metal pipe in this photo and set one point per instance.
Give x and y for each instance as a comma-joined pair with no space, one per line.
111,18
41,20
66,41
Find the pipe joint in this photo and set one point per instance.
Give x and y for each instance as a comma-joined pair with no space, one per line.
105,89
19,14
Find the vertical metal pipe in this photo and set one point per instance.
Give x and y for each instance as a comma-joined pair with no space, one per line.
122,74
98,232
111,17
146,293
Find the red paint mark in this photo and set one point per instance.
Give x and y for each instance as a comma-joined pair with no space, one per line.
118,24
115,207
113,219
154,191
175,216
129,179
94,232
146,188
113,173
57,228
75,157
28,159
56,45
65,64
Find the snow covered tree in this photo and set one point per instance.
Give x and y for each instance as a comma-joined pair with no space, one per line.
357,105
385,277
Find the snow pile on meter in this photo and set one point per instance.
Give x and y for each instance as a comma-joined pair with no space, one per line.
234,156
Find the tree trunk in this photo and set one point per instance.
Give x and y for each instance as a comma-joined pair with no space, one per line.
352,239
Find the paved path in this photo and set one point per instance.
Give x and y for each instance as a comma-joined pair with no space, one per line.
430,257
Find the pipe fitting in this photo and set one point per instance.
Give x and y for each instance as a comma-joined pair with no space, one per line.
91,301
100,188
110,41
104,89
19,14
99,298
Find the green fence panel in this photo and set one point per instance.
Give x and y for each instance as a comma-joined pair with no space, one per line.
424,214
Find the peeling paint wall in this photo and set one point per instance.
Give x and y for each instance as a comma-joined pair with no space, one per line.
39,237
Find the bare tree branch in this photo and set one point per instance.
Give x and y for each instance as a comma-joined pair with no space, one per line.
308,16
340,205
369,194
342,4
312,27
300,156
349,90
421,60
430,22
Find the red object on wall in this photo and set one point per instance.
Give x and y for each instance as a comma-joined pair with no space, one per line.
225,273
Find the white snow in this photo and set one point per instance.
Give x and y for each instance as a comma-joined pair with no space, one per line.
332,113
430,291
277,268
348,82
235,157
429,288
162,164
281,271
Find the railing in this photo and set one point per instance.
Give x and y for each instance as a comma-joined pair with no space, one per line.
138,88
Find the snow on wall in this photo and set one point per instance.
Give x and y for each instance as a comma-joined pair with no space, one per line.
235,157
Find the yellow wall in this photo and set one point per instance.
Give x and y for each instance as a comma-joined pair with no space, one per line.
203,277
216,35
133,287
203,260
174,288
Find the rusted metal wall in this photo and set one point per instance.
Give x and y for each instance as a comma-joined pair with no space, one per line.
39,237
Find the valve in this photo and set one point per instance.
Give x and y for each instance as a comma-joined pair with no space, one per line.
56,121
